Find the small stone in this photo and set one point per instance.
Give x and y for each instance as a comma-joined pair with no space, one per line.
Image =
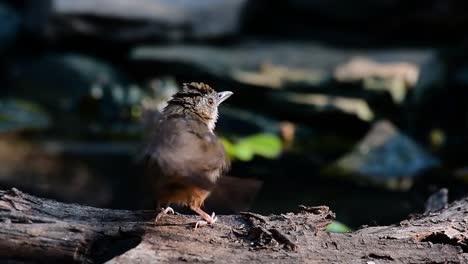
384,157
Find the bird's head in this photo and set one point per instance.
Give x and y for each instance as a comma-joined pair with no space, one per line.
199,99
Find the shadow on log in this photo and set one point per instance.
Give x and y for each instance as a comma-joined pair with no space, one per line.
36,230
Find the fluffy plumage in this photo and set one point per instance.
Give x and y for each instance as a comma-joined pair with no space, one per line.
184,158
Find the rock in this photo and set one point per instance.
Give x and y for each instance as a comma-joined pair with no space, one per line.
287,62
80,92
437,201
147,19
9,25
287,74
395,77
396,73
59,80
279,65
307,103
19,115
276,76
384,157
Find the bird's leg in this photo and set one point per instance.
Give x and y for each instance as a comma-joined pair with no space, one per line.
207,218
163,211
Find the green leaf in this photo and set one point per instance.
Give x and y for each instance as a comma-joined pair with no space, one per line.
243,152
337,227
265,145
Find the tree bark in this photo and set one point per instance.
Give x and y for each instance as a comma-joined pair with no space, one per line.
36,230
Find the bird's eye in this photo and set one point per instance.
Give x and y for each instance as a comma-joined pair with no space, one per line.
210,101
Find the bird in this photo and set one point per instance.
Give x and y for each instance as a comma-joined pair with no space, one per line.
183,156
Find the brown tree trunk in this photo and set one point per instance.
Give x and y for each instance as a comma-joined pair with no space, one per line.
38,230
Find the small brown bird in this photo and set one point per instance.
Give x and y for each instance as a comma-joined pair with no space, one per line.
184,158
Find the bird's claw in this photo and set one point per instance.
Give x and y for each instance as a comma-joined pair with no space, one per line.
164,211
200,224
213,218
168,210
211,221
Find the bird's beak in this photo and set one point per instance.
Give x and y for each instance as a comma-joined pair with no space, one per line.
222,96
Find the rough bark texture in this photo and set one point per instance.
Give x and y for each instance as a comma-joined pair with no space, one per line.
39,230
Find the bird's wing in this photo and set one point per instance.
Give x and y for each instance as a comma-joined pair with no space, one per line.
186,150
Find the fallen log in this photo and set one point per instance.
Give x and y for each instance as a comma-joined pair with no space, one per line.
36,230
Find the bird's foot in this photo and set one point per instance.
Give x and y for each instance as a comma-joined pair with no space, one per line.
164,211
210,221
167,210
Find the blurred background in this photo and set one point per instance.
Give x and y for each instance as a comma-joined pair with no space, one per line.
360,105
